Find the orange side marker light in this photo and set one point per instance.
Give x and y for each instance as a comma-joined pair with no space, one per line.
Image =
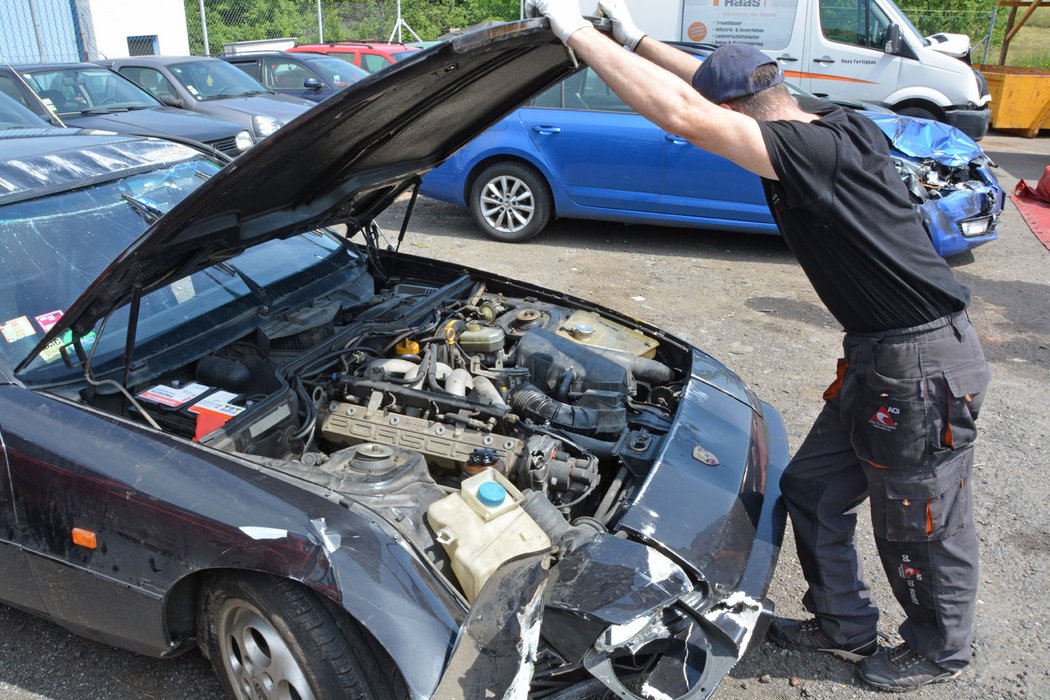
84,538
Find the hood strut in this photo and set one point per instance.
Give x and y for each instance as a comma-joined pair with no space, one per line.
408,214
133,327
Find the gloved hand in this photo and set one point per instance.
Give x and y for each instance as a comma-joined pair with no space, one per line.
564,16
625,30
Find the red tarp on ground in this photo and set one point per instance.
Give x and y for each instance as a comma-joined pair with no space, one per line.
1034,205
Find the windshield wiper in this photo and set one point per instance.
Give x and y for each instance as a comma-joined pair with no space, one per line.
256,289
147,211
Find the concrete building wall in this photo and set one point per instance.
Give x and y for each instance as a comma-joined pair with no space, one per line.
114,21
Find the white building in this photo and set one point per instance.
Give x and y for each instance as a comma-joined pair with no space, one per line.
135,27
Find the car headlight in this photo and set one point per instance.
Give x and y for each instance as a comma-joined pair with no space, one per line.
264,126
243,141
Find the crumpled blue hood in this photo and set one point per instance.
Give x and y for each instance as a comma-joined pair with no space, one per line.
922,138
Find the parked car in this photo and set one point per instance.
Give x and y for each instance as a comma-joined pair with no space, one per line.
369,55
87,96
310,76
341,470
552,157
213,87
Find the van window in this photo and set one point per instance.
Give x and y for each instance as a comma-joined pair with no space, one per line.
855,22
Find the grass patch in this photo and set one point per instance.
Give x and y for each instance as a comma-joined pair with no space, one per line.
1040,18
1030,48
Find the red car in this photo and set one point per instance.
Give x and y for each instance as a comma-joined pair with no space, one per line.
370,55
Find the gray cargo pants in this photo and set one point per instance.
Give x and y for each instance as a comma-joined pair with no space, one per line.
898,426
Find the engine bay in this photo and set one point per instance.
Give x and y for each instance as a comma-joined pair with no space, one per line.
402,400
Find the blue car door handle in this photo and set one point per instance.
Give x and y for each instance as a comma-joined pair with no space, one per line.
675,139
543,129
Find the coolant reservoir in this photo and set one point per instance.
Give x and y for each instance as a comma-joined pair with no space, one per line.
482,526
588,328
478,338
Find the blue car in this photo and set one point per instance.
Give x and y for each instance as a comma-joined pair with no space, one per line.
577,151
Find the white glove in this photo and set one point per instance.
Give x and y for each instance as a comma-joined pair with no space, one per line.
625,30
564,16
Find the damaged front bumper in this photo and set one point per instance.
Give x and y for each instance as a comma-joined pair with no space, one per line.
663,612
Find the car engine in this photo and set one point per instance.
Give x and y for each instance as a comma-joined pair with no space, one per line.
404,400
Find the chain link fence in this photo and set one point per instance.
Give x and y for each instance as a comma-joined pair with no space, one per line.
213,24
40,31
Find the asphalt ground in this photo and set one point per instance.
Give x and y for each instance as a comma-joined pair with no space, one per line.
743,299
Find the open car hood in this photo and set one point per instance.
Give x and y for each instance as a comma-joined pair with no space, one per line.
342,162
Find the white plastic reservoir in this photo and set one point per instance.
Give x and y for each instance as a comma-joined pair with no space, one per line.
482,526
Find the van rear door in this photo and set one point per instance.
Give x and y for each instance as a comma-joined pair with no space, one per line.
844,51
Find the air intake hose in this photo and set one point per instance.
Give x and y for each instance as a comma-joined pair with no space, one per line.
532,402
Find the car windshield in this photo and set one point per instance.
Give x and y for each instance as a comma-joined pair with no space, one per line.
72,91
15,116
336,72
53,247
215,79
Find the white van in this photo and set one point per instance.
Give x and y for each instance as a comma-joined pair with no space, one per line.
859,49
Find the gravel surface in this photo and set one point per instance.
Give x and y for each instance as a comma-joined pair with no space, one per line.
743,299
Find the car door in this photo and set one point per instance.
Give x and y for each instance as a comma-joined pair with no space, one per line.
699,184
844,55
157,84
288,77
16,583
604,154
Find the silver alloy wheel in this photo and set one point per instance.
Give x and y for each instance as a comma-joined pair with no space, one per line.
258,661
507,204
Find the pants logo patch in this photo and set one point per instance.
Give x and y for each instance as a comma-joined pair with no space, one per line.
882,419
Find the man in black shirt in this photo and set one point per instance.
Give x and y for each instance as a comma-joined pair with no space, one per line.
898,423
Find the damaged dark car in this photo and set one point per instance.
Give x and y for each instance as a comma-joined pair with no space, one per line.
233,417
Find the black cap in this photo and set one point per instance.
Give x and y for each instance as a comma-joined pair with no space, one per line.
726,74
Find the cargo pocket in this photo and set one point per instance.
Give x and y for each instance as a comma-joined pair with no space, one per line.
888,421
927,505
958,406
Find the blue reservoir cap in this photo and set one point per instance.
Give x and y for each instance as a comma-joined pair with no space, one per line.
491,494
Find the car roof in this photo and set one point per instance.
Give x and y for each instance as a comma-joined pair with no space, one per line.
159,60
379,46
51,67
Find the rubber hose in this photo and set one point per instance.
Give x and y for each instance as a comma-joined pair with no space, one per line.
529,400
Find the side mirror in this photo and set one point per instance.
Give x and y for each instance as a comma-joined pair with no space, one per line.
312,84
170,100
891,40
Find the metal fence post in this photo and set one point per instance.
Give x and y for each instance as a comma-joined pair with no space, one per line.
204,28
320,24
36,29
991,31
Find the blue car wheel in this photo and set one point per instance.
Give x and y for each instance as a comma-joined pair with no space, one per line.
510,202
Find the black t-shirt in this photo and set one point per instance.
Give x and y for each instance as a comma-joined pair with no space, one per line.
847,217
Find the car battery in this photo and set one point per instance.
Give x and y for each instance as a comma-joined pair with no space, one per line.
189,409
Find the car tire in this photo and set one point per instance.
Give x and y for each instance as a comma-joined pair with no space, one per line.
270,637
920,112
510,202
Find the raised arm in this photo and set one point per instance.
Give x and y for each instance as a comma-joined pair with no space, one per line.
658,88
670,102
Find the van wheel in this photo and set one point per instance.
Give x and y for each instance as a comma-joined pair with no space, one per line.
920,112
272,638
510,202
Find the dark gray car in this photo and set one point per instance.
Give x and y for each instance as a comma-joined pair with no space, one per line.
214,87
87,96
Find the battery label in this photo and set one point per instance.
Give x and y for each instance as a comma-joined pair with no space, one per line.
170,396
217,403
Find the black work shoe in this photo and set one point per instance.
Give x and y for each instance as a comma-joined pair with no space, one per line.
899,670
807,635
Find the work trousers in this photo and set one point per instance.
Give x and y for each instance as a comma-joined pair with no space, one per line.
898,427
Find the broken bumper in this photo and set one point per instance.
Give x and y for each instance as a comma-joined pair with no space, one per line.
668,611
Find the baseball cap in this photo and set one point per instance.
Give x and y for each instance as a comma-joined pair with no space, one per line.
726,74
